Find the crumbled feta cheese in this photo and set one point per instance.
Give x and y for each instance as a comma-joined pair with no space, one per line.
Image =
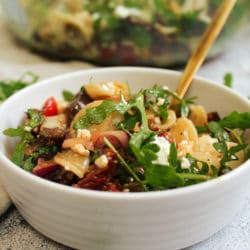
160,101
124,12
165,87
80,149
84,134
96,16
185,164
163,153
27,128
102,161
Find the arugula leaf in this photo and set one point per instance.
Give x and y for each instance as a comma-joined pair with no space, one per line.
162,177
150,149
191,178
31,161
182,106
8,88
35,118
195,165
18,156
172,176
67,95
14,132
136,142
152,97
202,129
217,131
129,121
228,154
144,135
228,80
214,170
19,150
236,120
95,115
173,156
184,109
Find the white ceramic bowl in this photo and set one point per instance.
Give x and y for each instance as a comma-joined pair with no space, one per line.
86,219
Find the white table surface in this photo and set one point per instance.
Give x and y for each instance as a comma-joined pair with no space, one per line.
15,232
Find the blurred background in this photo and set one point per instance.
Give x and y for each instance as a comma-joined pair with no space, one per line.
160,33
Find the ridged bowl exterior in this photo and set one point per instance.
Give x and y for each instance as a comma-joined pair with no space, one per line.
94,220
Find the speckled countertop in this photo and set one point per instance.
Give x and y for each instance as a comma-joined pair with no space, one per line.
15,232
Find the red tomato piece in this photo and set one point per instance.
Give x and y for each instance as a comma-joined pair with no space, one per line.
50,107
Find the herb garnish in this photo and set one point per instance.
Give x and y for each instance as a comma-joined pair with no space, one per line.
236,120
8,88
219,132
25,133
67,95
228,80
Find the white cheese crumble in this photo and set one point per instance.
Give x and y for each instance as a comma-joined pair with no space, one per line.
84,134
27,128
102,161
160,101
125,12
96,16
165,87
185,164
163,153
80,149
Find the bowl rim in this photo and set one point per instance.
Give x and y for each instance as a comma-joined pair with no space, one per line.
122,196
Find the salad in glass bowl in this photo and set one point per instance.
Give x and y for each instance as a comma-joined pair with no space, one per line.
120,32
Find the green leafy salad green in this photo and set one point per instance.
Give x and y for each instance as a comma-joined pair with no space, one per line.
9,87
129,143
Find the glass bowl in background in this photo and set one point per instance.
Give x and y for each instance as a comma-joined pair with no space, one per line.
158,33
